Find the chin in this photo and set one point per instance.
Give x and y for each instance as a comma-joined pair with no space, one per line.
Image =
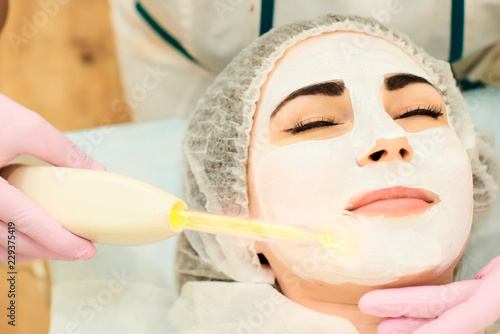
434,276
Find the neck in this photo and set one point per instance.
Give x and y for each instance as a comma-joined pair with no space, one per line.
342,300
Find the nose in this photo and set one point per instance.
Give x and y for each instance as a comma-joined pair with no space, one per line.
388,150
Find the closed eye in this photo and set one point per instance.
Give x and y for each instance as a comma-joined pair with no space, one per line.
431,111
301,126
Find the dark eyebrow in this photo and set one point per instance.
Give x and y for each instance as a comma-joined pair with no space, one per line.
330,88
401,80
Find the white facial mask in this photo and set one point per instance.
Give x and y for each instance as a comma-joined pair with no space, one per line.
305,183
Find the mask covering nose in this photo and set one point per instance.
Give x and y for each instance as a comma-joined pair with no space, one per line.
371,122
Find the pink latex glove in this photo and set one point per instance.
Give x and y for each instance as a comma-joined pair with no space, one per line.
463,307
37,234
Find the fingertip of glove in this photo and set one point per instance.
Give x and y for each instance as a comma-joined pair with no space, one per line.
88,253
97,166
367,303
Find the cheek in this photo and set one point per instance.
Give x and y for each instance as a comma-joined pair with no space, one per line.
301,184
443,165
441,160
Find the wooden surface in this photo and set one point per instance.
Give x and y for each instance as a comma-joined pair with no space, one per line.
32,298
60,62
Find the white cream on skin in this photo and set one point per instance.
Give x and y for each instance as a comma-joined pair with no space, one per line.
304,183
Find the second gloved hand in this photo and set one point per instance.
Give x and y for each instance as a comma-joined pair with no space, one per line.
463,307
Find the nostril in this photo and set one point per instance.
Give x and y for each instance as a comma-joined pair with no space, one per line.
377,155
406,155
387,150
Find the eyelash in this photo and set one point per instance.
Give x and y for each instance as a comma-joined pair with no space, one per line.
432,111
300,126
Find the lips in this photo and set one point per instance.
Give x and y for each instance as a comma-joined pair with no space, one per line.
395,201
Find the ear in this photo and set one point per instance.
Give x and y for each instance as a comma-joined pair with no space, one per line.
259,247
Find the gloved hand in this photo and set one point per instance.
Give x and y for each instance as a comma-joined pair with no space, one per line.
463,307
37,234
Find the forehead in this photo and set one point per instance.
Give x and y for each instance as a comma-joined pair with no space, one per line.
339,55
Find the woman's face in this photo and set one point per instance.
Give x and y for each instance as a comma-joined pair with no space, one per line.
350,122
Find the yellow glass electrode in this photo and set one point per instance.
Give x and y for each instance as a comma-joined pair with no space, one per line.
183,218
